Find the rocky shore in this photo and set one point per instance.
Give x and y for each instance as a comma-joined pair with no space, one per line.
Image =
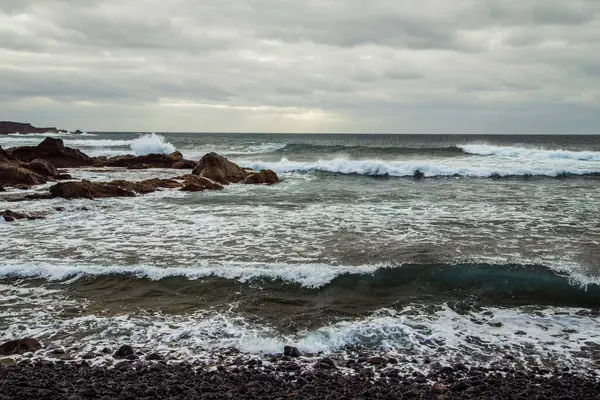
282,377
28,166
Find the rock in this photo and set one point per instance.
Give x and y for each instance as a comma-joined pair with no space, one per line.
7,127
418,174
62,177
328,361
2,189
124,351
194,183
88,190
173,160
138,166
377,361
184,164
20,346
161,183
291,351
10,216
133,186
42,167
54,151
154,357
77,132
264,176
219,169
12,174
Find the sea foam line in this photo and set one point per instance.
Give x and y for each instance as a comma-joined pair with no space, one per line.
409,168
529,153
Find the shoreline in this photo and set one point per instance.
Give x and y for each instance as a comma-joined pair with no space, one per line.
283,377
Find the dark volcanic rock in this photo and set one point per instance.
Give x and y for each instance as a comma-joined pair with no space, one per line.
7,127
10,216
145,380
20,346
12,174
124,351
291,351
88,190
219,169
54,151
42,167
265,176
194,183
173,160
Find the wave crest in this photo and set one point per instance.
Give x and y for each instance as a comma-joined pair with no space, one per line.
424,168
530,153
151,144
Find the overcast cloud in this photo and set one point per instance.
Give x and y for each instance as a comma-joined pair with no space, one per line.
449,66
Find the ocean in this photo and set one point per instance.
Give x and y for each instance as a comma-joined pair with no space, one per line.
476,249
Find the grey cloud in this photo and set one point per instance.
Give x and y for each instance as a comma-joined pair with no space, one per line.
359,65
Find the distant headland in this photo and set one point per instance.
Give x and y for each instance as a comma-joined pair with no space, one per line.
7,127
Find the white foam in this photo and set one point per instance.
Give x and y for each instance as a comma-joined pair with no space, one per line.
549,334
430,168
151,144
98,142
529,153
308,275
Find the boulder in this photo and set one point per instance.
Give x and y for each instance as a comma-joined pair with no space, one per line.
133,186
52,150
88,190
264,176
194,183
138,166
147,186
20,346
124,351
291,351
219,169
12,174
42,167
10,216
2,189
161,183
184,164
77,132
173,160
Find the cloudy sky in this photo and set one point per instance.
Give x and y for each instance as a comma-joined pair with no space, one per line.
447,66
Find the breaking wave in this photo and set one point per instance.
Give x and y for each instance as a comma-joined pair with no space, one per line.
416,167
533,284
529,153
151,144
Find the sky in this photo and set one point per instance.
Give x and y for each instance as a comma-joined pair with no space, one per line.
389,66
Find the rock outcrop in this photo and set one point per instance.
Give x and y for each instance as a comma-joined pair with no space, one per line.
264,176
194,183
10,216
42,167
52,150
219,169
89,190
223,171
173,160
13,173
19,346
7,127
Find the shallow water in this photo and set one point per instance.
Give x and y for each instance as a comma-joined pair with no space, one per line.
348,250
